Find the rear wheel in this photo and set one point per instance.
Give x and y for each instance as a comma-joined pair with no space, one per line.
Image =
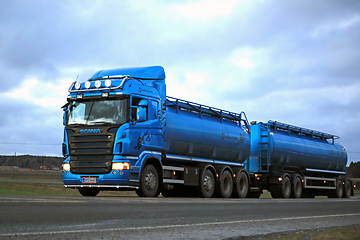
282,190
149,182
207,184
226,184
338,192
89,192
241,185
297,187
347,189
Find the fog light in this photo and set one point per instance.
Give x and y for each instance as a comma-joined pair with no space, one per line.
88,84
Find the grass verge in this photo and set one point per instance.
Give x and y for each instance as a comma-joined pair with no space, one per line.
334,233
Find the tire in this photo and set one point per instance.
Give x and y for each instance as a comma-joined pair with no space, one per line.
226,184
149,182
241,185
282,190
89,192
297,187
347,189
338,192
207,184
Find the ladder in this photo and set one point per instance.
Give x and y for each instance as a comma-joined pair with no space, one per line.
264,148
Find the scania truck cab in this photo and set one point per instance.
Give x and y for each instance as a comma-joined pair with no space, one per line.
113,122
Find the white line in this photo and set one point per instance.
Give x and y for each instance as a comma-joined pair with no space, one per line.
174,226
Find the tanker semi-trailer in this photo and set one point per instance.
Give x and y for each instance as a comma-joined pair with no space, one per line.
123,133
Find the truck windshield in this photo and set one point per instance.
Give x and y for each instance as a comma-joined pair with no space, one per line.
92,112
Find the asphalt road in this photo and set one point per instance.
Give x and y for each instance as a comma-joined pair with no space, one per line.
166,218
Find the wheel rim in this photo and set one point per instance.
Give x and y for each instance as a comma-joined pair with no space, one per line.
150,181
208,183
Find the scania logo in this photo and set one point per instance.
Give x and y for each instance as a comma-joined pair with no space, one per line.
86,131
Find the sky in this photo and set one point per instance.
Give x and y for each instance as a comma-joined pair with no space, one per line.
296,62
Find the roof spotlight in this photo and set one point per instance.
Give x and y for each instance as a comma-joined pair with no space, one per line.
88,84
108,83
77,85
98,84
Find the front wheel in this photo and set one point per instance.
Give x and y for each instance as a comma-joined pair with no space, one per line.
149,182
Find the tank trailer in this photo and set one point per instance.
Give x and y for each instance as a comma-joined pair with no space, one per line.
123,133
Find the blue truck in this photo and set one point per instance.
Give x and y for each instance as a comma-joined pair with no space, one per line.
123,133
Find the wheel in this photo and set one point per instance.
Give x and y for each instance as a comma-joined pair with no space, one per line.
226,184
89,192
347,189
297,187
241,185
285,190
338,192
149,182
207,184
282,190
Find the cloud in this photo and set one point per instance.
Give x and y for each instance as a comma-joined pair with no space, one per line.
295,61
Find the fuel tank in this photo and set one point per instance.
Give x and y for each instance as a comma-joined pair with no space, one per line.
200,132
277,146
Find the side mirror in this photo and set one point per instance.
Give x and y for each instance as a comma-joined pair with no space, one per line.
141,113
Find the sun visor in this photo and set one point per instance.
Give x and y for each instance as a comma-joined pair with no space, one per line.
146,73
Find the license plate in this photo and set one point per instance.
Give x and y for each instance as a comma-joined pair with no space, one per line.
89,180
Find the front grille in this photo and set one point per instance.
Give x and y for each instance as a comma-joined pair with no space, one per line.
91,153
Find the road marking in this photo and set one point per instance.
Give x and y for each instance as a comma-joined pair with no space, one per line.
175,226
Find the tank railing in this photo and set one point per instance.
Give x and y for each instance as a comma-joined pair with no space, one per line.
301,131
204,110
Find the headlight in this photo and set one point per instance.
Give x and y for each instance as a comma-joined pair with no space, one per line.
98,84
88,84
66,166
121,166
108,83
77,85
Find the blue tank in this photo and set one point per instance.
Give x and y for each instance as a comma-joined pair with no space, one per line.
277,146
203,132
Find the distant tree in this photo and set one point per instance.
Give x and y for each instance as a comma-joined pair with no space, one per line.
353,170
